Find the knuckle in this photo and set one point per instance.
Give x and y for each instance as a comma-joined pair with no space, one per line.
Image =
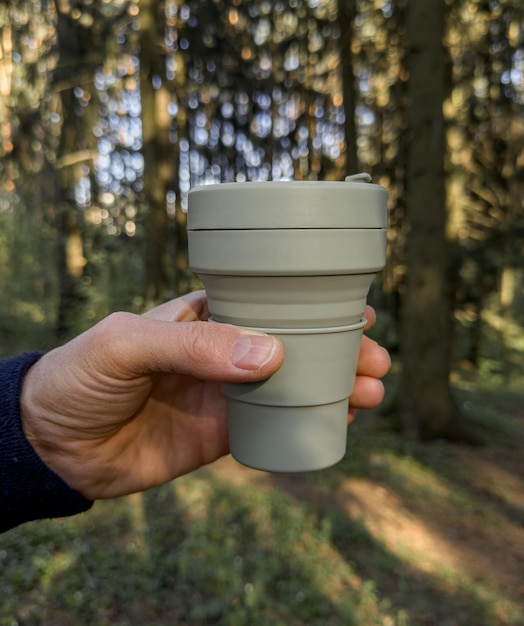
113,326
111,335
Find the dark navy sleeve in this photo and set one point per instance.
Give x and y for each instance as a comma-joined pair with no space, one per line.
29,490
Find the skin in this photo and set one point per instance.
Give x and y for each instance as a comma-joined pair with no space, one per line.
135,401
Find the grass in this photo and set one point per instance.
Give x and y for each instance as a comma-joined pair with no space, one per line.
399,533
199,552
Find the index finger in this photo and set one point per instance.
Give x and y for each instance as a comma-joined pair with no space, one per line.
191,307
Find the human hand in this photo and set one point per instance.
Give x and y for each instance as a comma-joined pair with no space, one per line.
374,362
135,401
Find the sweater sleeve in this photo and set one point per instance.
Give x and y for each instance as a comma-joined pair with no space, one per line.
29,490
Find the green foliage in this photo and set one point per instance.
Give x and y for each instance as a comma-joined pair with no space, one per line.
28,283
234,556
30,286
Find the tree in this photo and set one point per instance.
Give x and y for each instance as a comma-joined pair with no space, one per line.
77,58
346,15
428,407
158,169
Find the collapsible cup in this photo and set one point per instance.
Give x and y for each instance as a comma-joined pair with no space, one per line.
296,260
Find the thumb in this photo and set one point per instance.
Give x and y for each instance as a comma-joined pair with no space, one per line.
137,345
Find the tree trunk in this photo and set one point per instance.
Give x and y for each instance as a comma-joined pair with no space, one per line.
6,76
71,261
346,15
72,297
428,408
156,149
183,275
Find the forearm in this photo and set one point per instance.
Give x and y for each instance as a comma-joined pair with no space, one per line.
29,490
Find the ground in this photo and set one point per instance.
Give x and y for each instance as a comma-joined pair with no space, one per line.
460,522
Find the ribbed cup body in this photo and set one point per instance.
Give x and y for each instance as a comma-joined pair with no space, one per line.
295,260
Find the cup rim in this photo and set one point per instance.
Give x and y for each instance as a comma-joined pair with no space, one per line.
322,330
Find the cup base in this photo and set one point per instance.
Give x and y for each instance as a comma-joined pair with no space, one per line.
287,439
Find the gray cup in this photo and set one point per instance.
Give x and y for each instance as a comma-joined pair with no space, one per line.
296,260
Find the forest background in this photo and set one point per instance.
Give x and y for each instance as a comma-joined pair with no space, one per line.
111,110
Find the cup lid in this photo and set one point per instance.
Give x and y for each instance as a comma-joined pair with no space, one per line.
288,204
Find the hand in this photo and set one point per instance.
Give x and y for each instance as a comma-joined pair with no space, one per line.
135,401
374,362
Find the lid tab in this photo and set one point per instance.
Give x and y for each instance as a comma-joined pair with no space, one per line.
362,177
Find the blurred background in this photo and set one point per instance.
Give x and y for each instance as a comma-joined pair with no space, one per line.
110,112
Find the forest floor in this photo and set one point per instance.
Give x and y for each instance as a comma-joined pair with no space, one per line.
399,533
452,516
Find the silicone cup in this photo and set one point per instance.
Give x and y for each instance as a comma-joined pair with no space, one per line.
295,259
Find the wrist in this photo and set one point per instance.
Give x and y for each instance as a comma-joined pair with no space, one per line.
29,490
39,424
